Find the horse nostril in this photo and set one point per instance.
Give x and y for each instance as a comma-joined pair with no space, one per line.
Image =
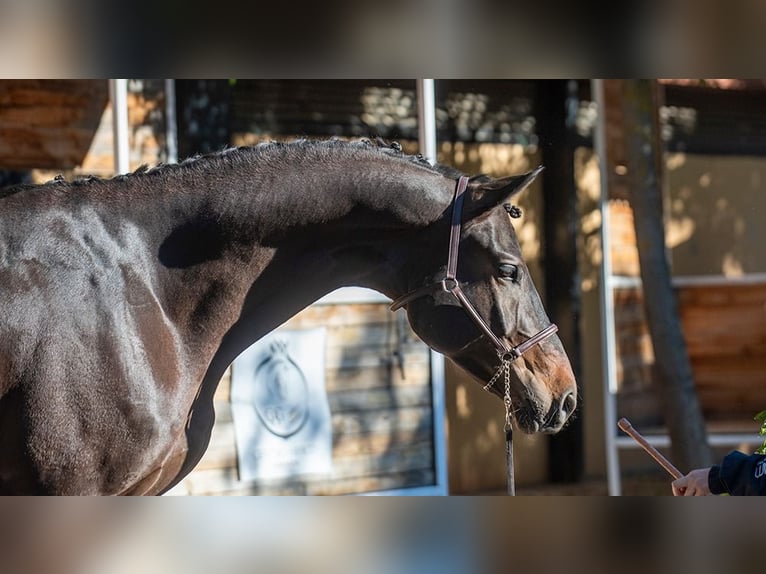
569,403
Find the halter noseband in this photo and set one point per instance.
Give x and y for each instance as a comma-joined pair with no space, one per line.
450,284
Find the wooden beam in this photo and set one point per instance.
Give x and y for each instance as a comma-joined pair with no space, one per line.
556,105
48,124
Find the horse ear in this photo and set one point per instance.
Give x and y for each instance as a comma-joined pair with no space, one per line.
486,194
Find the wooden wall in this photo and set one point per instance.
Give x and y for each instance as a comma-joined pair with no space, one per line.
714,214
725,329
381,421
724,325
48,124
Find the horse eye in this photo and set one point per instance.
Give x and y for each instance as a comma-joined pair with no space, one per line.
509,271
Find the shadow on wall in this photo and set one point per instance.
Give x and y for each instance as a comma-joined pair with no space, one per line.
713,217
714,214
476,440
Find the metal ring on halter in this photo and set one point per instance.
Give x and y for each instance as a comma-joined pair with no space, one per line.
449,288
511,355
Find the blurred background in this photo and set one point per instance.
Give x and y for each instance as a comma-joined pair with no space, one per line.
380,536
454,38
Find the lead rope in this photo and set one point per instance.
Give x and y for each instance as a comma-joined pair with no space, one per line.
508,429
505,370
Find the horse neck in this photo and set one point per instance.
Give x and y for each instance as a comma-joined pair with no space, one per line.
256,245
346,225
310,197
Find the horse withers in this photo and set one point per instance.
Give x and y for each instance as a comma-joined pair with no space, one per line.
124,300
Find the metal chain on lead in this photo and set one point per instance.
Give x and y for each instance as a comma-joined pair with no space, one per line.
496,376
505,370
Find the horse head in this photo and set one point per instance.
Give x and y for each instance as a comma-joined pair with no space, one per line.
492,279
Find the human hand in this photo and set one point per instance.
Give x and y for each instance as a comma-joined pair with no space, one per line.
693,484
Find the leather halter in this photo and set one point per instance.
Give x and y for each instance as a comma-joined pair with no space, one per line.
506,354
450,284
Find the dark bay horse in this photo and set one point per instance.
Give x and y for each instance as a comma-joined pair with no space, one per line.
123,301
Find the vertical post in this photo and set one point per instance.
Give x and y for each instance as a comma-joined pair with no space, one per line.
557,103
171,122
608,337
118,96
439,406
427,119
427,144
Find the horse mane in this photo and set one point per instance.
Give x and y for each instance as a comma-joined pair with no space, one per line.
294,149
16,188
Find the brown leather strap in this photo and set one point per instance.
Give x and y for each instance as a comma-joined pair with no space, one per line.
454,236
400,302
500,345
535,339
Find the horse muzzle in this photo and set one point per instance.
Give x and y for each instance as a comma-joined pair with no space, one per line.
531,419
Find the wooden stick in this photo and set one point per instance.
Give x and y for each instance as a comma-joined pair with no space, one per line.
625,425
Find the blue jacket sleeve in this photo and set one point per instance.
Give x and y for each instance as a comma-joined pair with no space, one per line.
739,474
